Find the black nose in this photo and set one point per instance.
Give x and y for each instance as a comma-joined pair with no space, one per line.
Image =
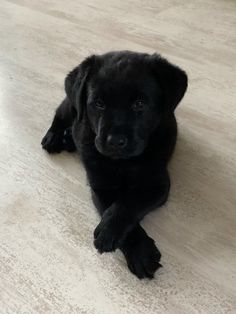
117,141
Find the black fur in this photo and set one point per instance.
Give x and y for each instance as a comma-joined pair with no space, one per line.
119,115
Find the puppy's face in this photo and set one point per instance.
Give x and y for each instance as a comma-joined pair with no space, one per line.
124,96
123,107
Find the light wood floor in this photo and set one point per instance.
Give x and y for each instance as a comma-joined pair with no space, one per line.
47,260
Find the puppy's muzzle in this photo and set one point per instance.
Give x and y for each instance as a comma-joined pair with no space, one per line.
116,142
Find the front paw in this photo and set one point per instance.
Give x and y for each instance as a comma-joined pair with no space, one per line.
53,142
109,232
143,258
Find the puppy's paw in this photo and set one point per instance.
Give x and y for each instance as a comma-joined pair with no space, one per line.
108,233
53,142
143,258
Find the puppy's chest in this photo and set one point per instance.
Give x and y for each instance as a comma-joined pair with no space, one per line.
101,175
130,176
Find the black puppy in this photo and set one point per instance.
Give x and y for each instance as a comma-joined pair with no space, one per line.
119,114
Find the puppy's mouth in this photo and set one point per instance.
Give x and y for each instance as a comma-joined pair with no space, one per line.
111,154
117,154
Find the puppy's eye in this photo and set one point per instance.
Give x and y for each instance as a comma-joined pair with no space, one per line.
99,104
139,105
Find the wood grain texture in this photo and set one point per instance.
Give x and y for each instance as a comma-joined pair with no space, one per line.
47,260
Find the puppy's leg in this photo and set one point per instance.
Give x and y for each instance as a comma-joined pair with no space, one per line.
103,199
124,214
139,249
59,136
141,253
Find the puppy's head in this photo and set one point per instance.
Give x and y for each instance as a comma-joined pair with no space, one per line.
124,96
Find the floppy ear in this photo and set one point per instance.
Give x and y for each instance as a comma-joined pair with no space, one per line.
75,85
172,80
